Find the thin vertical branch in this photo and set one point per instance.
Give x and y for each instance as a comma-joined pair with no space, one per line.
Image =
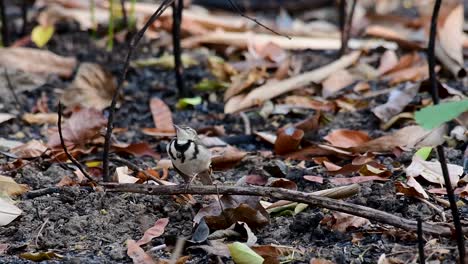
177,9
24,16
342,22
65,149
110,121
347,28
422,258
110,34
5,40
440,148
124,13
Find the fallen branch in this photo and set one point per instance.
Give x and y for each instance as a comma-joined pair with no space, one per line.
284,194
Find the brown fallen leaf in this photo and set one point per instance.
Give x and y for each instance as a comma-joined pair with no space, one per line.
432,171
345,138
137,149
270,51
342,222
9,187
37,61
41,118
245,80
402,37
31,149
162,118
155,231
320,261
312,178
411,188
388,61
137,254
283,183
288,140
226,157
302,101
83,126
273,89
412,74
335,82
93,86
272,253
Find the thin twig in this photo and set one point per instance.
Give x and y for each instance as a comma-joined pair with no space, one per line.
236,8
440,149
347,28
5,39
24,16
283,194
422,259
124,13
12,91
342,22
65,149
177,9
40,231
110,121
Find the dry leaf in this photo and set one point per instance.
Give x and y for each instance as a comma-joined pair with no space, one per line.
311,178
137,149
357,179
41,118
397,101
432,171
320,261
138,255
388,61
226,157
5,117
9,187
288,140
32,149
345,138
270,51
80,128
37,61
273,89
8,212
244,80
155,231
342,222
123,175
302,101
412,74
93,86
162,118
412,188
335,82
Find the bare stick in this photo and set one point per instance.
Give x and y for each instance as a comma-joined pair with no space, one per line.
284,194
5,40
236,8
62,142
342,22
110,121
347,28
422,259
440,148
177,8
124,13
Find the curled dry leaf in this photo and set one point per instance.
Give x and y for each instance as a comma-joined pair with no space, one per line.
155,231
412,188
32,149
41,118
37,61
345,138
245,80
93,86
270,51
335,82
80,128
357,179
273,89
288,140
432,171
283,183
137,254
123,176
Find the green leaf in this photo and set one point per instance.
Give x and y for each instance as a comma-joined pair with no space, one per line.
184,102
242,254
424,152
40,35
300,207
435,115
208,85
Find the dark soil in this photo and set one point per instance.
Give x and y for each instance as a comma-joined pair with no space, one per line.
86,226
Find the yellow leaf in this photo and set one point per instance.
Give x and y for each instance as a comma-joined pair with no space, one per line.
40,35
10,187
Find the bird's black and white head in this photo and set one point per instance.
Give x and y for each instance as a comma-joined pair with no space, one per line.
185,133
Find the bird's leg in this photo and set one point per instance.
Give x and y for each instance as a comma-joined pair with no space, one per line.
187,185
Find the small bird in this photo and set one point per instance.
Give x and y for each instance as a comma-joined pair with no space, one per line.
189,157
